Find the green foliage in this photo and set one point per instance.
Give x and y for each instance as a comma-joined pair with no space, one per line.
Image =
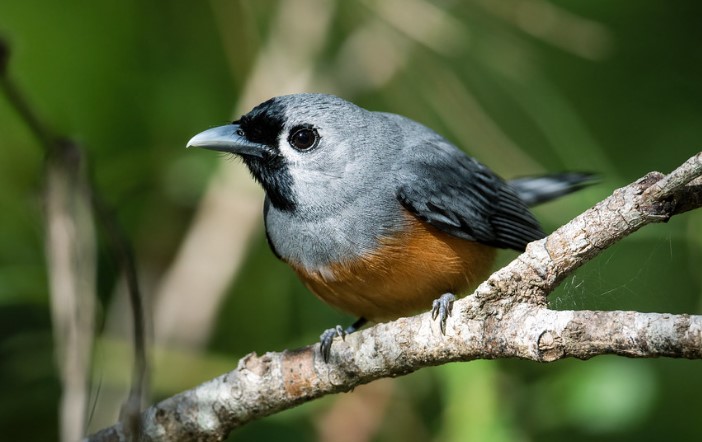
524,85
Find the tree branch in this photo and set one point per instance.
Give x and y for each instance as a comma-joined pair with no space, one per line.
72,201
506,317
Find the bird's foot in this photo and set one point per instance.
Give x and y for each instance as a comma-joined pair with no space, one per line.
327,337
442,307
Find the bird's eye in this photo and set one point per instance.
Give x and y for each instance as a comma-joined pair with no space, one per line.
304,138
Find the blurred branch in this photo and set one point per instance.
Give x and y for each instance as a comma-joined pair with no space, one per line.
554,25
71,201
71,262
424,23
506,317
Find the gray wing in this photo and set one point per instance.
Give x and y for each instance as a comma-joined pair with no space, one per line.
456,194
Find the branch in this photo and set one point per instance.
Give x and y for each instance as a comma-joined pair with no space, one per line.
72,201
506,317
70,254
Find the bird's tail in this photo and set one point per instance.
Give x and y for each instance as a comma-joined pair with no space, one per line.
535,190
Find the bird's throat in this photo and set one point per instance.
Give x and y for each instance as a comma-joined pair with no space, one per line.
276,180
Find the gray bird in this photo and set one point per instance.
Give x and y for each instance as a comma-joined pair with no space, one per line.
379,215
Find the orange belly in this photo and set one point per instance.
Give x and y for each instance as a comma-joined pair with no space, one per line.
404,275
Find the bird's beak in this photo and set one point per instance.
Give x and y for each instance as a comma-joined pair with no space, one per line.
227,139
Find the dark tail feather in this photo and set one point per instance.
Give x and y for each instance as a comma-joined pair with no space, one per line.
535,190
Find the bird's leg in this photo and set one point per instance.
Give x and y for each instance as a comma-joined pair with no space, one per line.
327,337
442,308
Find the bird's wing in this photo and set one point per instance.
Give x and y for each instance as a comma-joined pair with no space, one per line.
456,194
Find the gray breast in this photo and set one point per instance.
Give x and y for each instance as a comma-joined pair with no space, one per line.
343,235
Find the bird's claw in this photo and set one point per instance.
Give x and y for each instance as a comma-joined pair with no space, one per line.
442,308
326,339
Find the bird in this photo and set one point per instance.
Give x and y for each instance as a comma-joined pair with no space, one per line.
379,216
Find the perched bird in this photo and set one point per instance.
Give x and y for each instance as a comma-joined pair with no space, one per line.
378,215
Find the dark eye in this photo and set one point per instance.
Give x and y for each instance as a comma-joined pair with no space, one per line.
304,138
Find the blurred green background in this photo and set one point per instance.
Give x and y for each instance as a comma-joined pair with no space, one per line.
526,86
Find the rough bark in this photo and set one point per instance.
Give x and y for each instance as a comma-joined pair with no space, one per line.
506,317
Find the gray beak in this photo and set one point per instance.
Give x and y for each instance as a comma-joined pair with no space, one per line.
227,139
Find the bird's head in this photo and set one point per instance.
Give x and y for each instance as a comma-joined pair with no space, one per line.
306,150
